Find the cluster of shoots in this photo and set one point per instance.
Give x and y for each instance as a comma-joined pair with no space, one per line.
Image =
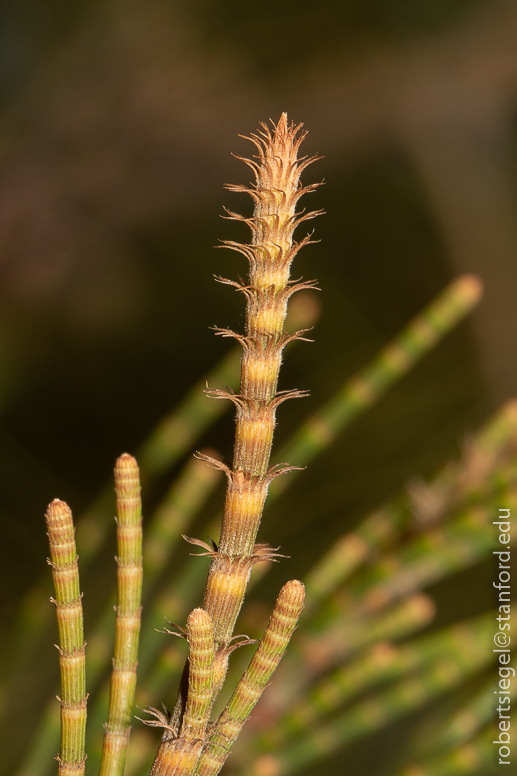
191,742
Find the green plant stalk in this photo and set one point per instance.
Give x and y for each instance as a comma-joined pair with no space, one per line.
429,558
463,724
465,657
380,530
179,752
275,193
171,439
398,623
386,662
395,360
425,561
354,616
475,757
178,430
127,629
373,533
192,486
63,559
311,657
272,647
327,647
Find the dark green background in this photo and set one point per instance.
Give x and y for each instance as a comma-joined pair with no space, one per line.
117,124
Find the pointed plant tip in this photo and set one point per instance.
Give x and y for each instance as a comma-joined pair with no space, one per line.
471,287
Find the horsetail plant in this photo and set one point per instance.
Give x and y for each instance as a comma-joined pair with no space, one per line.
383,602
275,193
128,609
189,743
63,559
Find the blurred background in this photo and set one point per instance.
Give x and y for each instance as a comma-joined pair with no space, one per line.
118,120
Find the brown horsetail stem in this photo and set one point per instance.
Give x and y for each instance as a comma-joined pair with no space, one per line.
128,609
275,193
179,754
283,621
63,559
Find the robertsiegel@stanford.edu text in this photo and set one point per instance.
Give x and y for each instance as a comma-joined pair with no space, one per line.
502,638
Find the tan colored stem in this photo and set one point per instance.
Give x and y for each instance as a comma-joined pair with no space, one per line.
179,753
272,647
276,192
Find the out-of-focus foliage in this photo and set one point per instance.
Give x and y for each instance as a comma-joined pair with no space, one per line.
117,124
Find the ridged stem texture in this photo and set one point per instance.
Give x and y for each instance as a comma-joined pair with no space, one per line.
179,752
275,193
271,649
129,594
63,559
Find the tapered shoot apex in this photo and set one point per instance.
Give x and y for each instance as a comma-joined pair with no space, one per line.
292,595
198,619
126,472
58,512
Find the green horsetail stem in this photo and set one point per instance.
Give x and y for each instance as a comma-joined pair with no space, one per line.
424,561
179,752
394,361
311,657
382,663
399,622
333,643
178,430
381,529
287,611
463,656
373,534
275,193
476,757
352,617
129,595
463,724
63,559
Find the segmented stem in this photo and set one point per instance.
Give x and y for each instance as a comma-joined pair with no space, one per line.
464,654
179,754
129,593
271,649
276,192
63,559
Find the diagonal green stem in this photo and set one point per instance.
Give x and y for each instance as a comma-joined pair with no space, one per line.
465,655
394,361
